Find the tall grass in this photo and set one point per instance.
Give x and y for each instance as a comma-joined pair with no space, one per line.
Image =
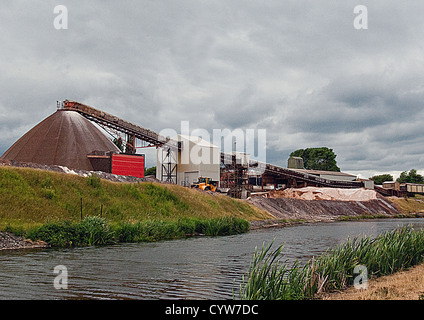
90,231
97,231
154,230
270,279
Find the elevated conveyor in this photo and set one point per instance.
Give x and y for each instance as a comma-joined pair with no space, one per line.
105,119
308,178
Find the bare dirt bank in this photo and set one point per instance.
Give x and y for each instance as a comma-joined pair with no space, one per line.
318,205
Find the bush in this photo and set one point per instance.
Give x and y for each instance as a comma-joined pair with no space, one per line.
90,231
222,226
187,226
96,230
59,234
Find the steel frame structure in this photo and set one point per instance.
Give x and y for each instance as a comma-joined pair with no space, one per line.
133,132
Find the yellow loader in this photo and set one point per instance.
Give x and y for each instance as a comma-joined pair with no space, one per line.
205,184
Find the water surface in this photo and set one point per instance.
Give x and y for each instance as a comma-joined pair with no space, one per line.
194,268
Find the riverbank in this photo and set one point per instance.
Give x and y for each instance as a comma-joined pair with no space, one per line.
280,223
402,285
32,197
269,278
98,231
325,205
65,209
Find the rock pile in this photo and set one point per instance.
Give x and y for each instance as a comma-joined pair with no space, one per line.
83,173
9,241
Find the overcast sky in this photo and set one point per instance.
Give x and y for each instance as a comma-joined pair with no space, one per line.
298,69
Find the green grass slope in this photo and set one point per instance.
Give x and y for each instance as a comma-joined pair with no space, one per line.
32,197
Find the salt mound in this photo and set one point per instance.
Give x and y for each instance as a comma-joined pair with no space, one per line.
65,138
313,193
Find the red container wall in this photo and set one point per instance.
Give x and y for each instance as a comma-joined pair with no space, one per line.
128,165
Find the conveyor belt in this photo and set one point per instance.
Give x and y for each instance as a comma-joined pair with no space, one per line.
110,121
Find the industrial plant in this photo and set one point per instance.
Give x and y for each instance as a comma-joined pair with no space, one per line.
71,138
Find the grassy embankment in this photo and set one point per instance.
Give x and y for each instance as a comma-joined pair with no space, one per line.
47,205
411,205
270,279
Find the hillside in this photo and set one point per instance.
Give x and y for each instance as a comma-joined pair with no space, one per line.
410,205
32,197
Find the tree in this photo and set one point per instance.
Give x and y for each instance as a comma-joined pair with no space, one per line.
317,158
411,177
129,147
150,171
118,143
379,179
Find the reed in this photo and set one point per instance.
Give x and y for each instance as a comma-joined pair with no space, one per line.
98,231
269,279
90,231
154,230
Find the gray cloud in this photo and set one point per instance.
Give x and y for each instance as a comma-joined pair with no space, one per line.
297,68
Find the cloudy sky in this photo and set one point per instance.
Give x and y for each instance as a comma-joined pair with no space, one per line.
298,69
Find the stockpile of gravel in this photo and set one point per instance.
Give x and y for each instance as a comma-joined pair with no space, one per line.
9,241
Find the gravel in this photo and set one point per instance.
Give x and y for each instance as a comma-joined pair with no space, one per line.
82,173
8,241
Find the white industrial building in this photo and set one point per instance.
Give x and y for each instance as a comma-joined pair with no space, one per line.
196,158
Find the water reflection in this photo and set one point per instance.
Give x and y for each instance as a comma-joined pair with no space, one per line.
196,268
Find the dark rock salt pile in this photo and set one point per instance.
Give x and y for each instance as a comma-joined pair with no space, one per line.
64,139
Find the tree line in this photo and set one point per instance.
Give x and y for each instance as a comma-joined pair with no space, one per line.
325,159
405,177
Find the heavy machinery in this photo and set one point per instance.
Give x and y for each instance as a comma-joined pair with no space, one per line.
205,184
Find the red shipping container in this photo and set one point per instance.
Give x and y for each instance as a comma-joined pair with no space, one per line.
128,165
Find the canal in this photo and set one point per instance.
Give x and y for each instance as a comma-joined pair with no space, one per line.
194,268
